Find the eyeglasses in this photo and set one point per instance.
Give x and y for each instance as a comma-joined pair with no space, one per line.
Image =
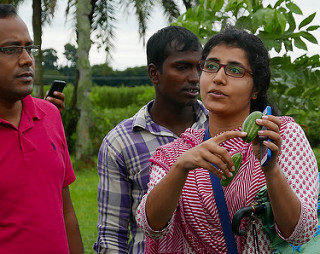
32,50
231,70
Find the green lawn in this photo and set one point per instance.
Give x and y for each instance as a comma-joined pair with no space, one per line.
84,196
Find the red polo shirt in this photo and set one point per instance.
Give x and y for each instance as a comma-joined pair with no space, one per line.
34,168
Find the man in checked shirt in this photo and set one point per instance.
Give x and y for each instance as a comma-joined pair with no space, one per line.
173,54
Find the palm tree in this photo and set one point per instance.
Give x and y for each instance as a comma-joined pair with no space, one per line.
83,144
43,12
99,16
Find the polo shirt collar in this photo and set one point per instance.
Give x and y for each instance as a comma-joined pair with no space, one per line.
29,112
30,109
142,119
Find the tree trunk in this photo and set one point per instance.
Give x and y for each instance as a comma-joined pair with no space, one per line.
83,143
37,33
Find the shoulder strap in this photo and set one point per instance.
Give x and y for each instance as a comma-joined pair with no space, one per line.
222,208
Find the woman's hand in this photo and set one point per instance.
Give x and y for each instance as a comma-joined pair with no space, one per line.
57,100
286,207
272,124
163,198
208,153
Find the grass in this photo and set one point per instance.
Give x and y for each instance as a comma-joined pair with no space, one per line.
84,197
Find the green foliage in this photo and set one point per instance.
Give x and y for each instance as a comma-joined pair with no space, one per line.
49,59
70,53
49,75
117,97
310,121
102,70
103,75
317,154
294,83
111,105
106,119
275,25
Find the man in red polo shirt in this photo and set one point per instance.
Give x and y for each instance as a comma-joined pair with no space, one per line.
36,211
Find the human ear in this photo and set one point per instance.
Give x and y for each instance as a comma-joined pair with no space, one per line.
254,93
254,96
153,74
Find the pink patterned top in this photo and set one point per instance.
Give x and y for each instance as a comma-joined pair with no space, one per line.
195,225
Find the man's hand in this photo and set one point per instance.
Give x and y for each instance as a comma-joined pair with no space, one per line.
57,100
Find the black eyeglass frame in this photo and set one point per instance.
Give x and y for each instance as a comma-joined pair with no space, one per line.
202,64
31,50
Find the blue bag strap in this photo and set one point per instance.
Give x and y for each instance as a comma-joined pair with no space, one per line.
222,208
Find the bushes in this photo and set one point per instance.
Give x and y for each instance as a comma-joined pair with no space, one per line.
111,105
310,121
117,97
106,119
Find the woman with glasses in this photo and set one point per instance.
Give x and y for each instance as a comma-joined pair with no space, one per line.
182,211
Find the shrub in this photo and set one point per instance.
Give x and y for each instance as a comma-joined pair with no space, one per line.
112,105
106,119
310,121
117,97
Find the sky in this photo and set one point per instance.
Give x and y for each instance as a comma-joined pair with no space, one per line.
129,50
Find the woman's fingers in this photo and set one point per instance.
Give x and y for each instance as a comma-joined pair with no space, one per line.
270,122
272,132
211,156
228,135
221,158
271,138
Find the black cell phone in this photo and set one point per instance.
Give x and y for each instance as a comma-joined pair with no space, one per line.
57,85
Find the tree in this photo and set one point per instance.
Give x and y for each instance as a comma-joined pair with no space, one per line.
83,143
70,53
49,59
37,35
43,12
294,83
102,20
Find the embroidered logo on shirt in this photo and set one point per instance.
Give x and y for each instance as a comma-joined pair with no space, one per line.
53,146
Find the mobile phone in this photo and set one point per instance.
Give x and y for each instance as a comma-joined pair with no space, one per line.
265,153
57,85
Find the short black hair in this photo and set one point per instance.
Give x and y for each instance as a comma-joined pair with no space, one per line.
7,10
177,38
258,58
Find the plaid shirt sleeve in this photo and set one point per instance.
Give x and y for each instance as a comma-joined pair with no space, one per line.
114,200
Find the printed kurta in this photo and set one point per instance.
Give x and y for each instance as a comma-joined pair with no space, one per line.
195,226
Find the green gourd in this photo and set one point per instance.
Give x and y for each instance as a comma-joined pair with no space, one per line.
250,127
237,159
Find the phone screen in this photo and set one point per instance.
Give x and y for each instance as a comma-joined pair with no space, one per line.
57,85
265,153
